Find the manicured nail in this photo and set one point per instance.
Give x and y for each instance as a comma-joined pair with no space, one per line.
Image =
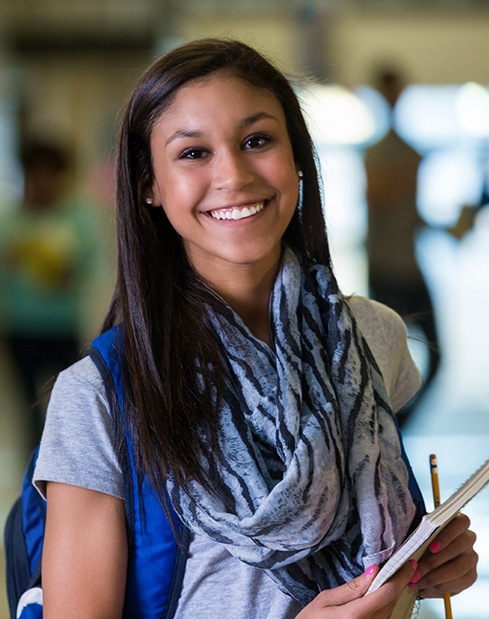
415,577
413,585
413,563
370,570
435,546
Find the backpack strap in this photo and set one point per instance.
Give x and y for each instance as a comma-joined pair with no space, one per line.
156,562
23,540
17,560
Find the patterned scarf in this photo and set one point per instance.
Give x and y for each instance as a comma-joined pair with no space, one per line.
312,487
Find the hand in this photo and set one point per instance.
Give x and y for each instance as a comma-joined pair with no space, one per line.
450,565
349,600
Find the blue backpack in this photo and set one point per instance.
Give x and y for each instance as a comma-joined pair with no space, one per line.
156,562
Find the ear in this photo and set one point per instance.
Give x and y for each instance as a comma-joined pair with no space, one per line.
151,199
152,196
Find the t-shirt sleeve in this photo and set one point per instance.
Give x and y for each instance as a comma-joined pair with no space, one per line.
77,445
386,334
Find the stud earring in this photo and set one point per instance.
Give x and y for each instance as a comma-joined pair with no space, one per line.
149,201
300,174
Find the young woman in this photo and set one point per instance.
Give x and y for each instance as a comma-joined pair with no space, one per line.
257,401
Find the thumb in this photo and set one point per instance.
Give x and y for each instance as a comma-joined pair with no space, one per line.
392,589
351,590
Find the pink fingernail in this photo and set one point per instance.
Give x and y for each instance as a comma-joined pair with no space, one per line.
415,577
413,585
369,571
435,546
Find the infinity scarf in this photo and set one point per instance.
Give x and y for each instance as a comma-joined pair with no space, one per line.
312,487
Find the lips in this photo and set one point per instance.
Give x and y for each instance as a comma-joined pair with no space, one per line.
238,212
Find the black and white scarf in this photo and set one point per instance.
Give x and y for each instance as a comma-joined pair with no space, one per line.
313,487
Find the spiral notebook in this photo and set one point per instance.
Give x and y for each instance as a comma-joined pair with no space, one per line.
417,543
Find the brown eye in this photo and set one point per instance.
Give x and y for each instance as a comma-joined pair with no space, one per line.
257,141
193,153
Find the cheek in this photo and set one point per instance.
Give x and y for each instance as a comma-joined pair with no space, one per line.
285,175
180,199
177,193
289,183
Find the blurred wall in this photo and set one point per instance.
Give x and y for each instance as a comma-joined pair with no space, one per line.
63,86
442,45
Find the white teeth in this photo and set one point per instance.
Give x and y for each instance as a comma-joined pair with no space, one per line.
238,213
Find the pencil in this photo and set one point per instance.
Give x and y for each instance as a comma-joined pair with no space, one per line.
435,484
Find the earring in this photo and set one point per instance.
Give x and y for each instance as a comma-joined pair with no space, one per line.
300,174
149,201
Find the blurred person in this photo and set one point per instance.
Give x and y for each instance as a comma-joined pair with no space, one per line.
395,277
45,251
467,219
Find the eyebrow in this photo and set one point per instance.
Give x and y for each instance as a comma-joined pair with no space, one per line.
245,122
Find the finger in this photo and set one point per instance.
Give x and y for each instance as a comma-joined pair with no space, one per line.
453,588
387,595
461,546
453,540
351,590
451,577
454,529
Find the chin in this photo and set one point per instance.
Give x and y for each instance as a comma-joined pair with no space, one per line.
253,255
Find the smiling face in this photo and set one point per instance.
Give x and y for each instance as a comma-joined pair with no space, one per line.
225,174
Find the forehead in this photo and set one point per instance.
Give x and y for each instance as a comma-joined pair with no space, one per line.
220,96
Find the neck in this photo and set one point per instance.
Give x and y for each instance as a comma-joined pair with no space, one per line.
247,290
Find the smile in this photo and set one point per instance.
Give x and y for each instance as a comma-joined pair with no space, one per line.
238,212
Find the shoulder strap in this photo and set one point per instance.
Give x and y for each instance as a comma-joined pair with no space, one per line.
156,564
17,560
23,540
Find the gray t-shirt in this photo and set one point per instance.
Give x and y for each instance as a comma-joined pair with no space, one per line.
77,449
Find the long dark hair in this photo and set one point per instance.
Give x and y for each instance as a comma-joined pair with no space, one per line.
161,301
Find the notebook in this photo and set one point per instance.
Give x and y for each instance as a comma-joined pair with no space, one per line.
417,543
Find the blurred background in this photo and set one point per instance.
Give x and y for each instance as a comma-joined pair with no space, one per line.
398,102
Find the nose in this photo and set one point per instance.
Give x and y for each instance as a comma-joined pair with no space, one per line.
232,172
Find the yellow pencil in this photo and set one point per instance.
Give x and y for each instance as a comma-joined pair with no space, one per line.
435,484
